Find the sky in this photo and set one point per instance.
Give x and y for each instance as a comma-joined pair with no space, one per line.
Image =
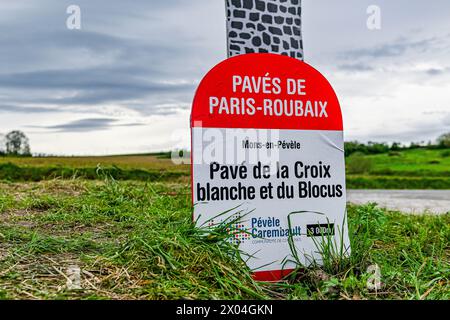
124,82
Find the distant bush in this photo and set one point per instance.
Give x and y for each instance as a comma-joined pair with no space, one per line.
163,155
168,155
445,154
369,148
359,164
396,146
394,154
376,148
444,140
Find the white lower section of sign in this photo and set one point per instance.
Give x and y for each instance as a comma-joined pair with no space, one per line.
287,188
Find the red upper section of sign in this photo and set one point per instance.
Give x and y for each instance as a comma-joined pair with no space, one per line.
295,95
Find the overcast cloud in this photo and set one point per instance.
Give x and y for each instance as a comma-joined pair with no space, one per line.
125,81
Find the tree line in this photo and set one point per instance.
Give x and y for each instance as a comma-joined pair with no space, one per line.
16,143
443,142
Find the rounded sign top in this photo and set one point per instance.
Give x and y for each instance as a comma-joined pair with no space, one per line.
266,91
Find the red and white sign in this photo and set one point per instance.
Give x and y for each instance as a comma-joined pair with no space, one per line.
268,161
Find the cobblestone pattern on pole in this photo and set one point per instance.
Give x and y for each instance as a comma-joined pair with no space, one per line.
272,26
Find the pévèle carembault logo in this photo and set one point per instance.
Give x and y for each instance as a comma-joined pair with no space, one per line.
270,227
258,228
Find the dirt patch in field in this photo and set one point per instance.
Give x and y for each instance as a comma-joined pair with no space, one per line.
31,200
98,233
52,187
64,276
18,217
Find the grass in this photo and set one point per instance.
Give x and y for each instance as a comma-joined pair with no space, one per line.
408,169
136,240
13,172
397,182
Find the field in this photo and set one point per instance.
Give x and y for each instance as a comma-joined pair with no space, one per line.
135,240
412,163
125,222
409,169
143,162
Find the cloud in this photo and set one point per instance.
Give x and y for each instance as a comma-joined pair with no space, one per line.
392,49
115,69
437,71
87,125
95,86
355,67
27,109
100,93
96,67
